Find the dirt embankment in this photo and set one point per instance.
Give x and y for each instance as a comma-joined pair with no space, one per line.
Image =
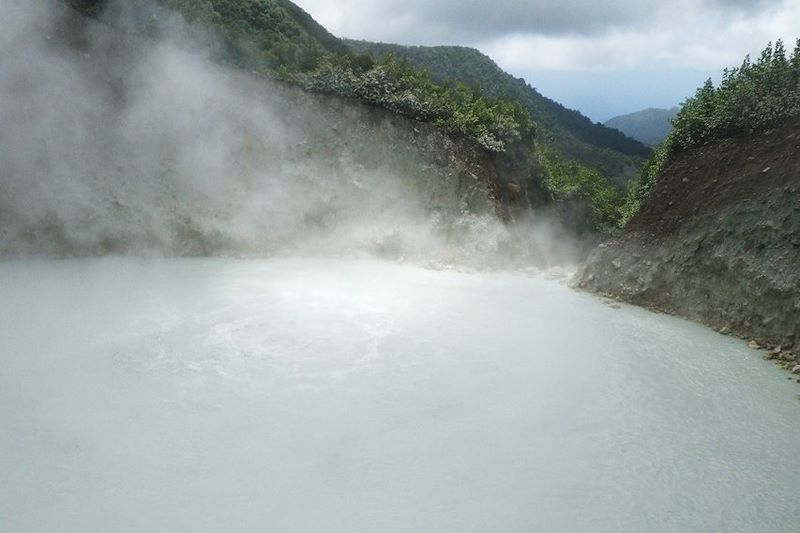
717,241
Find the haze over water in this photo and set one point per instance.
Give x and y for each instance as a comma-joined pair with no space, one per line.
358,395
318,394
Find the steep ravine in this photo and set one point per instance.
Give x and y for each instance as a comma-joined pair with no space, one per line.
717,241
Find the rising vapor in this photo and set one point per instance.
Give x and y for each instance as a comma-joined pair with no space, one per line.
119,142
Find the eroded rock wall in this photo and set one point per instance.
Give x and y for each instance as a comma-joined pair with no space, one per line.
717,241
114,142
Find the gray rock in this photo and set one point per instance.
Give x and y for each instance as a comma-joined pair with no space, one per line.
732,264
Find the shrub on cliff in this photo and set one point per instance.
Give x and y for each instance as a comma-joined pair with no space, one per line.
395,85
591,200
638,191
751,98
278,38
568,132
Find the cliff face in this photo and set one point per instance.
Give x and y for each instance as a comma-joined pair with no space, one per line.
717,240
572,135
115,143
451,174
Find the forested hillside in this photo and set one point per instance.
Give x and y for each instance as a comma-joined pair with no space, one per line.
584,167
277,38
571,134
257,33
155,146
649,126
751,98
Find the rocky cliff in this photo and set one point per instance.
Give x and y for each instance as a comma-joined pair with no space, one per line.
717,241
114,142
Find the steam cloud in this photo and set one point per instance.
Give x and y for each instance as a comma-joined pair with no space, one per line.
113,142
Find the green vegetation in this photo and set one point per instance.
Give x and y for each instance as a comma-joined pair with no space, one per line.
279,39
751,98
586,168
395,85
583,166
566,132
584,196
264,34
649,126
637,192
257,34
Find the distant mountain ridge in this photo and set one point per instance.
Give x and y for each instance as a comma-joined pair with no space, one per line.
649,126
574,135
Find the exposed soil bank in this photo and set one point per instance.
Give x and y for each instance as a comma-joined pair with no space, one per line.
717,241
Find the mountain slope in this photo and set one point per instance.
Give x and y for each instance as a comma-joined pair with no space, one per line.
715,237
280,40
153,148
716,240
257,33
574,136
275,38
649,126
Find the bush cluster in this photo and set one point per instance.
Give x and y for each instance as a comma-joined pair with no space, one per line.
395,85
572,135
752,98
579,188
279,38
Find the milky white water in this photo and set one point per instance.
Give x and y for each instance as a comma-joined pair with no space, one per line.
311,395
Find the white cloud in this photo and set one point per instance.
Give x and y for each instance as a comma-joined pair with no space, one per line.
575,35
464,21
603,57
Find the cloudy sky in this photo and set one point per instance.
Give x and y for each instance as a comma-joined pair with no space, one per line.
604,57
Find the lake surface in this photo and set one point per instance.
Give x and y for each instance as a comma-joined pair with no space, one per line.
309,395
